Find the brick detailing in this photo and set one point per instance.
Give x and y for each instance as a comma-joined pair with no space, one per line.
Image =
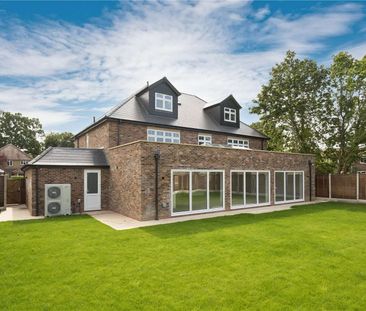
132,172
112,133
63,175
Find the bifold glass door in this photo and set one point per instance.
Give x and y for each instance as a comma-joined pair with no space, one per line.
197,191
250,188
289,186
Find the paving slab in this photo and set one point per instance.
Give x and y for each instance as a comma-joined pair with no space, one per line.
121,222
17,212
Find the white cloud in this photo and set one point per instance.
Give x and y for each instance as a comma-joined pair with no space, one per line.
64,70
358,51
262,13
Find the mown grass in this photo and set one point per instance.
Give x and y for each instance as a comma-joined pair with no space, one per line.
309,258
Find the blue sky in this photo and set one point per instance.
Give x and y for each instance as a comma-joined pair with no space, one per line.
65,62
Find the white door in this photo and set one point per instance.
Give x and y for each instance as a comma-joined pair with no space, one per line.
92,193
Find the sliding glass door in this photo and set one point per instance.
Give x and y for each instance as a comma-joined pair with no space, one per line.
197,191
250,188
289,186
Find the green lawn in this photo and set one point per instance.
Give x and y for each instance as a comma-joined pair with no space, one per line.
309,258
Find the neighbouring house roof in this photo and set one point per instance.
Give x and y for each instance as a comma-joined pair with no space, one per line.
191,114
12,152
62,156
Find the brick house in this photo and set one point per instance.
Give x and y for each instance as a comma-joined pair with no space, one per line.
12,159
163,153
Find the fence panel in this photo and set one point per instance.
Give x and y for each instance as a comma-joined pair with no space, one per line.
322,185
2,190
344,186
362,186
16,191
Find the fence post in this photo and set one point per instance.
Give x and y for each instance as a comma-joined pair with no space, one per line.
358,185
330,185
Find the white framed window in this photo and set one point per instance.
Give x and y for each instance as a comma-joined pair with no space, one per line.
238,143
197,191
163,102
10,162
229,114
163,136
250,188
23,162
289,186
204,139
87,140
363,160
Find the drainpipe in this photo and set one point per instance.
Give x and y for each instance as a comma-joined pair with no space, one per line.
37,191
157,157
310,178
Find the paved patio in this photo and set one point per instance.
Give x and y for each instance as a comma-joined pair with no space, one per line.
120,222
17,212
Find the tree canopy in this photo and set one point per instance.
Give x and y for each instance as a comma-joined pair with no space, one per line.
64,139
309,108
21,131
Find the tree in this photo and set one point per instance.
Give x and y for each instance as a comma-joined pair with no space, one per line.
275,133
64,139
291,102
345,116
21,131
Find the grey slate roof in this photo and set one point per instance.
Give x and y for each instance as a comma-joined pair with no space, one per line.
62,156
191,114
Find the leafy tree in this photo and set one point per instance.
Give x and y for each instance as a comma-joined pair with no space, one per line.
21,131
277,139
64,139
345,116
291,102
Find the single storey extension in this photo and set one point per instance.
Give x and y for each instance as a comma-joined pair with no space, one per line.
162,153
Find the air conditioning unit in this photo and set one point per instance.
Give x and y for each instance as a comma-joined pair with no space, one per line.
57,199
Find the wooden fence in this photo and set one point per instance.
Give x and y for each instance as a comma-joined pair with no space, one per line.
351,186
2,191
16,191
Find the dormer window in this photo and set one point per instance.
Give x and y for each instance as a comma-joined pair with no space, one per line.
230,115
163,102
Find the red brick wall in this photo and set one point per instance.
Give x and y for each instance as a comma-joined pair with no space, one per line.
130,132
112,133
125,180
99,137
188,157
63,175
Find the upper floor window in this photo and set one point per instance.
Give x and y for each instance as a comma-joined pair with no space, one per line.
238,143
204,139
163,102
229,114
363,160
163,136
10,163
23,162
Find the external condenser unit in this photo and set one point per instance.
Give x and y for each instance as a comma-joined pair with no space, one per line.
57,199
